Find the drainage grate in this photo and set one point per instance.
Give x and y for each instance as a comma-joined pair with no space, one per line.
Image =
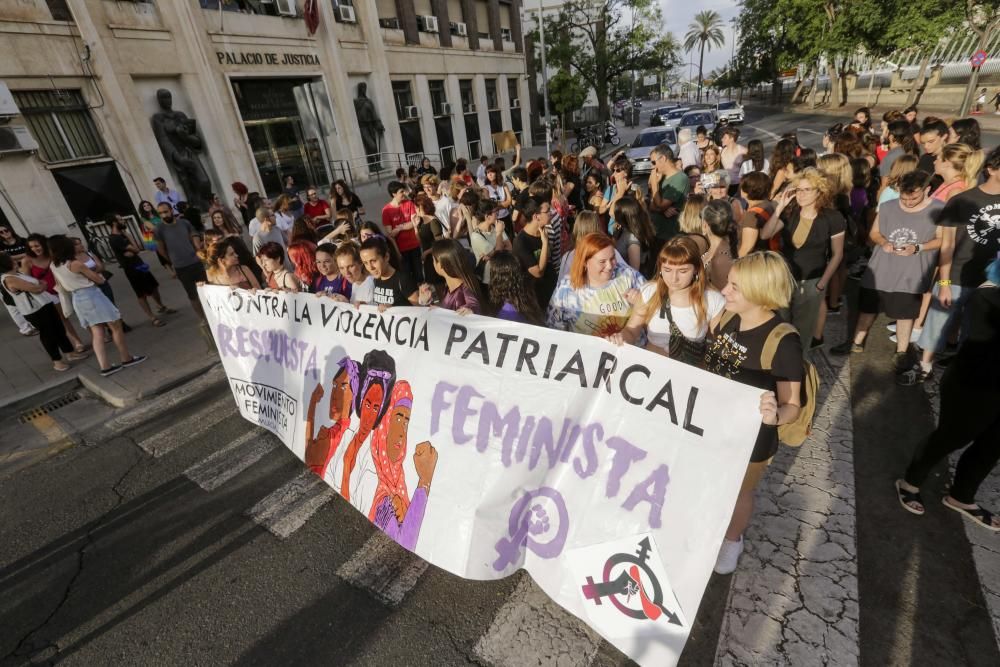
51,406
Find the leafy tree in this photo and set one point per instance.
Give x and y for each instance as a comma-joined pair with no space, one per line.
705,30
983,18
601,40
567,93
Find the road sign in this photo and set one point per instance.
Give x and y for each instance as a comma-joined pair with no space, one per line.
978,58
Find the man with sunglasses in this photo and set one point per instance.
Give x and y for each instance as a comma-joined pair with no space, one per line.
668,188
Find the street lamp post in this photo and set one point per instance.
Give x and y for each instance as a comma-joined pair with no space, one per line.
545,83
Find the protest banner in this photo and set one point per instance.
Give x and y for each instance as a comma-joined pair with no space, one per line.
608,473
504,141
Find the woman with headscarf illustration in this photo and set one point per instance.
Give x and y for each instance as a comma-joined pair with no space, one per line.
377,377
392,510
322,448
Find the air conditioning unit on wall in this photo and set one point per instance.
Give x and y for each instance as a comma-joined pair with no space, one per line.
445,109
427,23
505,35
412,112
515,103
16,139
346,14
286,7
8,107
459,29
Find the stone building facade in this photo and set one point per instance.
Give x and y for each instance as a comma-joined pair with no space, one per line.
258,94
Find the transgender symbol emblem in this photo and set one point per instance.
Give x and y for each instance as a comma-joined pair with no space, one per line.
539,522
631,585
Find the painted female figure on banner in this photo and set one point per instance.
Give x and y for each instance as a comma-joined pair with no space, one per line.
392,510
321,449
354,474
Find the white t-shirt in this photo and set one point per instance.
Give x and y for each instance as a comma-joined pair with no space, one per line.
442,211
284,221
684,318
747,167
363,293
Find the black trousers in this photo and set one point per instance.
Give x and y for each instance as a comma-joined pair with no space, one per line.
51,331
412,264
967,415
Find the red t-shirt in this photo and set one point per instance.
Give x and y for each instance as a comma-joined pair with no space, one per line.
321,207
394,216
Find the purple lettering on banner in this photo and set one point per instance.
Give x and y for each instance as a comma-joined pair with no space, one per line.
439,404
590,433
225,337
462,413
505,427
652,490
522,442
625,455
538,521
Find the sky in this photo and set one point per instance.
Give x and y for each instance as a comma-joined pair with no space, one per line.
677,14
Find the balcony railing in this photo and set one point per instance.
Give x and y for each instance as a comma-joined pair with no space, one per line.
285,8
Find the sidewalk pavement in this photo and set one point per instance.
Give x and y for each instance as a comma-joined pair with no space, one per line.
176,352
988,121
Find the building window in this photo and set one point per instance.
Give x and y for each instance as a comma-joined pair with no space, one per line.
339,15
468,99
59,10
61,124
403,97
438,96
515,106
492,100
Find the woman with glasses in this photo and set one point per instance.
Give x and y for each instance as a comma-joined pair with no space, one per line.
812,241
676,306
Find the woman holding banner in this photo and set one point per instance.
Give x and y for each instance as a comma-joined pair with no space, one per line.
596,297
677,307
759,285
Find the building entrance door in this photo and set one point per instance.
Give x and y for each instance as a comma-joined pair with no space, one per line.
281,150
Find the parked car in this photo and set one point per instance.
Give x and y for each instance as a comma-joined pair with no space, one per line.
659,115
731,111
693,119
674,116
644,142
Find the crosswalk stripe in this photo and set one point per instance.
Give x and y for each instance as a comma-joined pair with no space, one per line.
217,469
201,422
288,507
384,569
531,629
799,566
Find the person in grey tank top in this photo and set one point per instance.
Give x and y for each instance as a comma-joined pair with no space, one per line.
907,241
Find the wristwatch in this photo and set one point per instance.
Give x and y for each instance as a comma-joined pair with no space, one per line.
920,248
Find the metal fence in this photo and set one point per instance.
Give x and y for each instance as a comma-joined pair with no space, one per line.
379,165
96,235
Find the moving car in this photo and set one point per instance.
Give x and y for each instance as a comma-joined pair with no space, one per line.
660,114
731,111
648,139
693,119
674,116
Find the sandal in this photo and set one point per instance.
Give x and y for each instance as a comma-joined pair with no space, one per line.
157,322
905,497
77,356
983,517
60,367
164,310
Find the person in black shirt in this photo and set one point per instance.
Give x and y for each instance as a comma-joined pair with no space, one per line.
933,138
970,393
531,247
137,272
759,285
392,287
15,247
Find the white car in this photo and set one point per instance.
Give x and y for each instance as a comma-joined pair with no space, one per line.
731,111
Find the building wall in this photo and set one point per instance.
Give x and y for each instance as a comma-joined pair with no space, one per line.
118,54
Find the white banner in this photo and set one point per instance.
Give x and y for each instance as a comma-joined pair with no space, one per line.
485,446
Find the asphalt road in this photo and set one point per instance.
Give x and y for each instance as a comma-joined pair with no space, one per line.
179,535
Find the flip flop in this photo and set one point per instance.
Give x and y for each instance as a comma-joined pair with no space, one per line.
166,311
157,322
905,497
978,515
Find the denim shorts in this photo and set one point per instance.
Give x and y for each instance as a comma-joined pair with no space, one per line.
940,319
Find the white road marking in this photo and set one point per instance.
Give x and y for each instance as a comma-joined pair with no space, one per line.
810,131
531,629
384,569
288,507
231,460
190,428
770,134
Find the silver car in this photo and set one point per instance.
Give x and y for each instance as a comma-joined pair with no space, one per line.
693,119
644,143
674,116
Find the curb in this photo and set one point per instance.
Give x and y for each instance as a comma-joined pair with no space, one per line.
28,399
118,396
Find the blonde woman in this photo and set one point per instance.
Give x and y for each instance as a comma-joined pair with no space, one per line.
690,220
759,285
902,165
711,160
812,241
837,167
959,165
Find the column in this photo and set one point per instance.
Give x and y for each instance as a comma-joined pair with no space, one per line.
493,13
515,27
527,117
444,23
422,98
482,114
457,118
407,21
469,12
531,101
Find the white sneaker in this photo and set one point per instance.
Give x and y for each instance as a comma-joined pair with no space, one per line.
891,327
914,336
729,556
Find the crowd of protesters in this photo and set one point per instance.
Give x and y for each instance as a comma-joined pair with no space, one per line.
706,261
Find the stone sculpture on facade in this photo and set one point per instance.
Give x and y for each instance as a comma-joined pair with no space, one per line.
177,136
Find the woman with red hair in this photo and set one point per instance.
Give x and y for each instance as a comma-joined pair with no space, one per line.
303,256
596,296
677,307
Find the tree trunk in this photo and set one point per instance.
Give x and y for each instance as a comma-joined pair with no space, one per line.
775,90
701,62
802,84
831,75
843,82
815,86
970,88
871,84
918,83
601,89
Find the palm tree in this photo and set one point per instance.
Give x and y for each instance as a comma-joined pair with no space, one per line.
705,29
